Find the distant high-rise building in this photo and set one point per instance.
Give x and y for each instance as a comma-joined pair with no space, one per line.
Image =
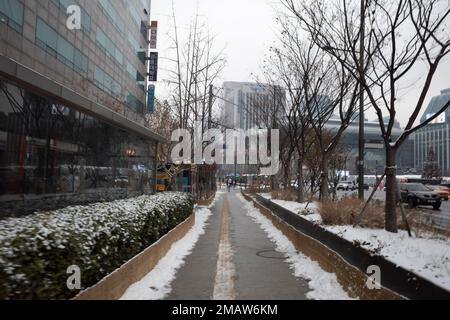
248,105
436,136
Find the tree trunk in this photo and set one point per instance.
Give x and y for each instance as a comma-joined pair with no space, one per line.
324,186
286,179
391,191
300,190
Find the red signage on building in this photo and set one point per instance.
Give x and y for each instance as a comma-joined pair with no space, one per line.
153,34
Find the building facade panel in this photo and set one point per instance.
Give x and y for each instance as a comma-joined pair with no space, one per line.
72,113
436,136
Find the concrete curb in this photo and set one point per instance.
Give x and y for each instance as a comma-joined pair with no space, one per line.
325,247
208,202
113,286
352,279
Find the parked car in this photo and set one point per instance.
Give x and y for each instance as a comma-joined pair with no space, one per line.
442,191
346,186
416,194
365,186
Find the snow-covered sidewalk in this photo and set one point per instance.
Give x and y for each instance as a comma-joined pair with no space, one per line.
427,256
323,285
156,285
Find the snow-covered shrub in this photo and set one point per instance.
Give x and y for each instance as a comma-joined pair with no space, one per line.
35,251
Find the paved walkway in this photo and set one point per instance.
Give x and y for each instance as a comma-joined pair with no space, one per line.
234,259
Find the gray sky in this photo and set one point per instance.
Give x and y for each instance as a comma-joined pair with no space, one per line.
247,28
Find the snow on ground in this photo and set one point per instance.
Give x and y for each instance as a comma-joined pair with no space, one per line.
323,285
428,257
219,193
224,283
156,285
307,210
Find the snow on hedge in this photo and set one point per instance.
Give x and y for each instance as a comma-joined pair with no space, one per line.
35,251
157,284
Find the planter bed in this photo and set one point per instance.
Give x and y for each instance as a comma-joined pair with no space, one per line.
35,251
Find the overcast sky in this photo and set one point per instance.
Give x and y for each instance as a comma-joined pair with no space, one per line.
247,28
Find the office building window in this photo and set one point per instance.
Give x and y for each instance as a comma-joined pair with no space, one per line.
134,14
108,46
131,71
105,82
11,13
49,40
134,103
109,10
133,43
136,48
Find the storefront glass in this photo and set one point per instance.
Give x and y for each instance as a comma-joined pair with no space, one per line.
52,156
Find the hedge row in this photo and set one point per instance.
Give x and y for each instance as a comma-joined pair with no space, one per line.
35,251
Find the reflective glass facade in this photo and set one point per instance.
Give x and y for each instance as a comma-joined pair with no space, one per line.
435,136
52,155
72,122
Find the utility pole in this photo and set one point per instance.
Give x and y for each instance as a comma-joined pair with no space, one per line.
210,103
361,106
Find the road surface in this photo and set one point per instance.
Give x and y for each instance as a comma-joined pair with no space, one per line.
440,218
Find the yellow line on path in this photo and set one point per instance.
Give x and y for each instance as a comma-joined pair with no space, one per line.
225,274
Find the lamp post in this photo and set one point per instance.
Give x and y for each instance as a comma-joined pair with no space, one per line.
361,106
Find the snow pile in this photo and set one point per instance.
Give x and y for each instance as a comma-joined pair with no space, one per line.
156,285
428,257
306,210
323,285
97,238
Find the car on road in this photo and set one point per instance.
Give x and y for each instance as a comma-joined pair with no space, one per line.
417,194
442,191
346,186
365,186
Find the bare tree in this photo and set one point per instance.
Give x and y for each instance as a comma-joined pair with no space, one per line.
402,37
196,66
163,122
282,67
323,88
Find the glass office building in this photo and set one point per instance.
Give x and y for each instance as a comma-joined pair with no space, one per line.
375,153
72,104
435,136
